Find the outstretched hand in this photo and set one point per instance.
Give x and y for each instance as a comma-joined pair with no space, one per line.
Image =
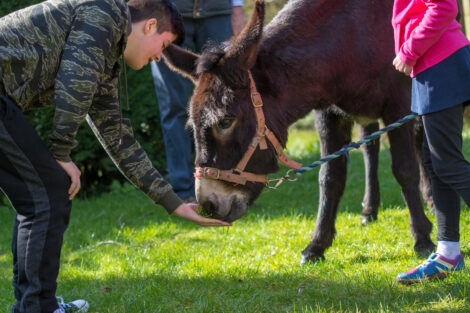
189,211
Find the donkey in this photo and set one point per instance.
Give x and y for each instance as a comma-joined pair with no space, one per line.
331,56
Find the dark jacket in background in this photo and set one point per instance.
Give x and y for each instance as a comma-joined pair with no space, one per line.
203,8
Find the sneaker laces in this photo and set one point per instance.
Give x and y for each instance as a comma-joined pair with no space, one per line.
62,304
425,264
60,300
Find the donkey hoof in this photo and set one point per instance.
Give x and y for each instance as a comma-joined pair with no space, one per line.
366,219
308,257
424,248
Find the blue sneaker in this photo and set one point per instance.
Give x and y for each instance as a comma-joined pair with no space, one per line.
436,266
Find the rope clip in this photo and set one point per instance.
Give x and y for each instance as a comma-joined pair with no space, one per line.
280,180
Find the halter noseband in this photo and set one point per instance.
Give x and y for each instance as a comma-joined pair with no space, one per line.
238,175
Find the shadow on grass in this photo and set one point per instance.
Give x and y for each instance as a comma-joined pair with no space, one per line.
104,218
252,293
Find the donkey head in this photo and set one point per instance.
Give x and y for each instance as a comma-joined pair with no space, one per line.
222,117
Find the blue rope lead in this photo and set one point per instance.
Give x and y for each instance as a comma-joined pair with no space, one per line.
355,145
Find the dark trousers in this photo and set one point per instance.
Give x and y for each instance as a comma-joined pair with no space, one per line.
37,188
449,171
173,93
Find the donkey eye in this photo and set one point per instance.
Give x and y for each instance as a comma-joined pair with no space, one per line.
225,123
224,128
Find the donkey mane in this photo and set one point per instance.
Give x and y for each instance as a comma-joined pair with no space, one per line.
210,57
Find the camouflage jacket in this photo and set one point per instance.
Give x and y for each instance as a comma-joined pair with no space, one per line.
67,53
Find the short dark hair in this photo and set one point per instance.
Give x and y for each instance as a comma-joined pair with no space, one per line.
166,13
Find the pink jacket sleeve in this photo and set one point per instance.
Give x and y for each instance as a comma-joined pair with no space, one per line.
439,15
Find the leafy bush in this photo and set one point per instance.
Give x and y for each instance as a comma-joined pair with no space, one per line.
272,7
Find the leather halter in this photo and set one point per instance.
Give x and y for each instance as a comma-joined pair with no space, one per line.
238,175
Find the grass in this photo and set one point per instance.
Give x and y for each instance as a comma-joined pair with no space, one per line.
125,255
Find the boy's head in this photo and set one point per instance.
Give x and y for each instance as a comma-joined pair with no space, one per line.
155,25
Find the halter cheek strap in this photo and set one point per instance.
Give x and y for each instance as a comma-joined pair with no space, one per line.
238,175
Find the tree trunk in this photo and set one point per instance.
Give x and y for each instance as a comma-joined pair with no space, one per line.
464,15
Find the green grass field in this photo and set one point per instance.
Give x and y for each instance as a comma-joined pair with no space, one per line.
125,255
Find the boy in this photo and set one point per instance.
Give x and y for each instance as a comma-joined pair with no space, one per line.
67,53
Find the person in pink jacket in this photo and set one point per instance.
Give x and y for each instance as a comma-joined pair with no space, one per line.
431,48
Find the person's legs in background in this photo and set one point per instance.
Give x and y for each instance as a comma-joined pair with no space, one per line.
173,93
215,29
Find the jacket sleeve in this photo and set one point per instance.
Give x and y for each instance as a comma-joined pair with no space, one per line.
439,15
118,140
81,66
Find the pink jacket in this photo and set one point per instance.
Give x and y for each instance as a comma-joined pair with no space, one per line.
426,32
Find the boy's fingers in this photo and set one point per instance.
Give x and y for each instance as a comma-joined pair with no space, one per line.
194,207
213,222
190,211
74,173
75,187
205,221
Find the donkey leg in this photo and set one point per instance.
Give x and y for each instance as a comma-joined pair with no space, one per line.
406,171
424,178
370,152
334,131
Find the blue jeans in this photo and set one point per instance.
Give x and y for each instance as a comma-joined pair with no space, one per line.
173,93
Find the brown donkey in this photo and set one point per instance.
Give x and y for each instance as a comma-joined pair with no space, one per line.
332,56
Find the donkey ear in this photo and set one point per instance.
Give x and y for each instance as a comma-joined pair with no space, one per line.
244,47
181,60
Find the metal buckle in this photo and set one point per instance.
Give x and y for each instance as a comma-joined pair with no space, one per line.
288,174
207,174
256,99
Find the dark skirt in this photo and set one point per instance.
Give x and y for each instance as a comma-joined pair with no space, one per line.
443,85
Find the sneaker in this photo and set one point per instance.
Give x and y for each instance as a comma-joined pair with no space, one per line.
77,306
436,266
